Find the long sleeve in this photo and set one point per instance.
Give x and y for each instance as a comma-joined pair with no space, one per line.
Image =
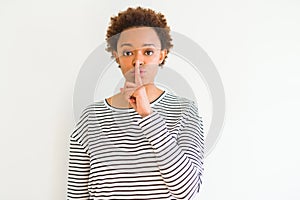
79,161
179,152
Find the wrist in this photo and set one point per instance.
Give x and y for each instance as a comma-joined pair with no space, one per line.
147,113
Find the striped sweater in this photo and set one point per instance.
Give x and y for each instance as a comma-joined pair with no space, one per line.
116,154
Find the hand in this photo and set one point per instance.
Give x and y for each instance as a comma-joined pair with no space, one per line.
136,95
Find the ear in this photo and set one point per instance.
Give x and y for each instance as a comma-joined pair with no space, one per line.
115,54
162,55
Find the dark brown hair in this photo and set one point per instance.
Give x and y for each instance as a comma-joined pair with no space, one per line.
138,17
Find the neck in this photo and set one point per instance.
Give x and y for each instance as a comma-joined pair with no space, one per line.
152,92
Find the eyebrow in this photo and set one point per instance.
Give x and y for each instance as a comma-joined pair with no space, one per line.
146,44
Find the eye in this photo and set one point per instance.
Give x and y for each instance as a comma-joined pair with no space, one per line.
126,53
149,52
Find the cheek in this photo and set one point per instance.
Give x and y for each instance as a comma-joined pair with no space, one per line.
125,64
126,71
152,68
124,61
155,59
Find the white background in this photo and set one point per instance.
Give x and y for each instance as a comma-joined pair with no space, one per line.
254,44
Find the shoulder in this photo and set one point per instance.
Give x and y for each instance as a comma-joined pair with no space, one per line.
177,99
96,107
89,110
188,106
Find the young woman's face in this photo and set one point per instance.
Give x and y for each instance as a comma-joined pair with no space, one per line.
141,45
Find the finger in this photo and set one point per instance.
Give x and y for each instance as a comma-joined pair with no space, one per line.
128,92
150,83
129,85
132,99
137,75
132,102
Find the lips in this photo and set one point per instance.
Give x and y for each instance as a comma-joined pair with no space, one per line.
141,71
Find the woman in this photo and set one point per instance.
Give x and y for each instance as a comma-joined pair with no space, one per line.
143,142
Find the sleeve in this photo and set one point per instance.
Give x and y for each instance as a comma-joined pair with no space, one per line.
180,159
79,161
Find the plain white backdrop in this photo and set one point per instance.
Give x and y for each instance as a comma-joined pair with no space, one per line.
255,46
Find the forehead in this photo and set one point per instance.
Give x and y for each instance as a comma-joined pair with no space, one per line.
139,36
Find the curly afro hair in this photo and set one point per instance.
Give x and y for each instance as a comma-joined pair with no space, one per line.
138,17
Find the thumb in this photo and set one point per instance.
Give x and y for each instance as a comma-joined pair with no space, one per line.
132,102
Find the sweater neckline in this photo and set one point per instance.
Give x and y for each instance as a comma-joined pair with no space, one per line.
152,103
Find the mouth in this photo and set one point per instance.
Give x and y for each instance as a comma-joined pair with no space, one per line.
141,72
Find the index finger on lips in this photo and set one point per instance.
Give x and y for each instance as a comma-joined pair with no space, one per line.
137,75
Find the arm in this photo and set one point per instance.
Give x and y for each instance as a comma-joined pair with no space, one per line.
79,161
179,160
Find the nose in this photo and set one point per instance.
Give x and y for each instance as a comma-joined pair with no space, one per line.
138,57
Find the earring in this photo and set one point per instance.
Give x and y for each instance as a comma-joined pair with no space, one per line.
160,64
